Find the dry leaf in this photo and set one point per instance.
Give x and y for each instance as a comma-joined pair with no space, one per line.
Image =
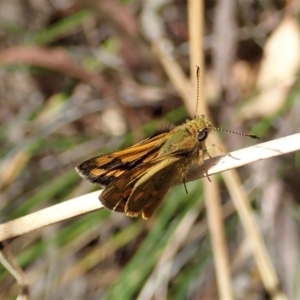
278,70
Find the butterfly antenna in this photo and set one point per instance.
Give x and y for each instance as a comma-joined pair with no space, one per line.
252,136
198,84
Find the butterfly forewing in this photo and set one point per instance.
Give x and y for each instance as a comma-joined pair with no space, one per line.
104,169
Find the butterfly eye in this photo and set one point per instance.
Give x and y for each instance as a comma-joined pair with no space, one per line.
202,135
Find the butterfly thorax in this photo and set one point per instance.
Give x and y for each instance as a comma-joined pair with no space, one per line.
186,143
184,139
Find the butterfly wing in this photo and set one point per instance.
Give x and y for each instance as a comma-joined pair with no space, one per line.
105,169
143,188
151,189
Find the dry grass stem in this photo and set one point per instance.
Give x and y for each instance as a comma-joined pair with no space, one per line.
212,198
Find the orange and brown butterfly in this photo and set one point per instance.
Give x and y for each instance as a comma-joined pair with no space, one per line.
136,179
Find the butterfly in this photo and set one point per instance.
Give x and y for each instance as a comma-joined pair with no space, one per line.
136,179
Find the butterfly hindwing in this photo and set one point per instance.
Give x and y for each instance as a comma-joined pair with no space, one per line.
115,195
143,188
151,189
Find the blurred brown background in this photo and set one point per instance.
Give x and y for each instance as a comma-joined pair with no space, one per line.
80,78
